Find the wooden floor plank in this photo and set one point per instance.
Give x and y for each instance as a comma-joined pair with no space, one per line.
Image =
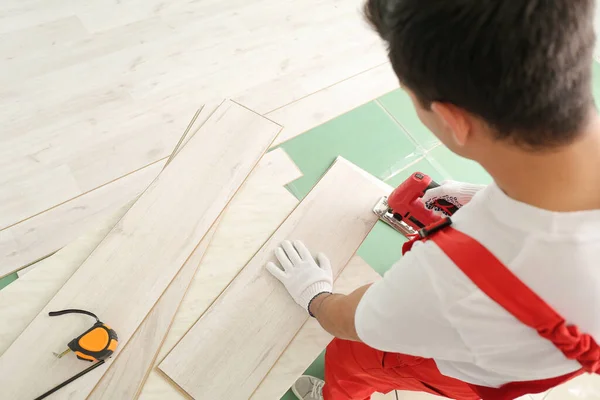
142,254
21,301
304,82
253,215
45,233
37,237
324,105
41,38
96,105
21,198
236,342
311,339
127,374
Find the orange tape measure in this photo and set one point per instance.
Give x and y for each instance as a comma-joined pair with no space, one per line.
96,344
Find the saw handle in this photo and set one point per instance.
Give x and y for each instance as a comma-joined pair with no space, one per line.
432,185
440,204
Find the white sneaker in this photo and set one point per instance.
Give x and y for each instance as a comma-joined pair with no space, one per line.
308,388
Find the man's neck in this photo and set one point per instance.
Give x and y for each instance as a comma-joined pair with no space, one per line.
565,179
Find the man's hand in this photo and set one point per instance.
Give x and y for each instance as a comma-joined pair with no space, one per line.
456,193
301,275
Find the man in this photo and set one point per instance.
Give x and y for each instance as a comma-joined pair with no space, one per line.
507,300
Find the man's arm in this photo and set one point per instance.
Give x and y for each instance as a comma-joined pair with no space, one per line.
335,312
310,283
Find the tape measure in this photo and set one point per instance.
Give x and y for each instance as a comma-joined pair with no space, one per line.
96,344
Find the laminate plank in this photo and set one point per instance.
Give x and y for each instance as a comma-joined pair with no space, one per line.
301,27
126,376
45,233
21,301
143,253
311,339
20,15
19,197
105,104
253,215
92,160
322,106
97,17
65,54
259,205
304,82
41,38
233,346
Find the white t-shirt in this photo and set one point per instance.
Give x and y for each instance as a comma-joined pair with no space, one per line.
425,306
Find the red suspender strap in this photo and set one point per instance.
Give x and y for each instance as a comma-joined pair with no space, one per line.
502,286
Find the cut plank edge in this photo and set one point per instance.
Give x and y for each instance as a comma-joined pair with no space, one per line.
326,87
183,136
264,116
82,194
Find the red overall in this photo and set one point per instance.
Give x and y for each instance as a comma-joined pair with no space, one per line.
353,371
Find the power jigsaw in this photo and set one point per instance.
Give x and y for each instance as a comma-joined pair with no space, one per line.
403,209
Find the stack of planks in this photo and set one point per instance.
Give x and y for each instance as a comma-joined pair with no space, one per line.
245,338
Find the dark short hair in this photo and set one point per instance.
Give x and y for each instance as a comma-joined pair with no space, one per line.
523,66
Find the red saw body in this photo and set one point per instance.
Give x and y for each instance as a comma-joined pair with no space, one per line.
404,210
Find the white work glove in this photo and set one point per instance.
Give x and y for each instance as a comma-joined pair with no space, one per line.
303,278
456,193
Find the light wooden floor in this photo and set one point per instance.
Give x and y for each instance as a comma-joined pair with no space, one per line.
91,91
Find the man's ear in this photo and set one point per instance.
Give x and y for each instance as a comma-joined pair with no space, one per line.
455,119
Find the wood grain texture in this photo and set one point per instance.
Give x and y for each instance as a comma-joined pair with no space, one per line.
96,88
45,233
35,238
324,105
21,301
18,197
142,254
311,339
126,376
302,83
233,346
252,216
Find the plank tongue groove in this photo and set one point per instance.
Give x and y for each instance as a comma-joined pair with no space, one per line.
124,277
229,351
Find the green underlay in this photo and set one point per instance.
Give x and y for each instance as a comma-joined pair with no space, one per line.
7,280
